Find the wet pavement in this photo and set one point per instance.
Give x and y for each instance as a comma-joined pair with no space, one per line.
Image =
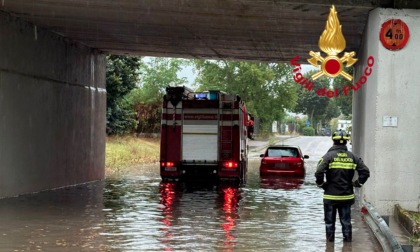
138,212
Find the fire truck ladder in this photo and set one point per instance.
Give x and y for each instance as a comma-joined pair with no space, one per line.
226,134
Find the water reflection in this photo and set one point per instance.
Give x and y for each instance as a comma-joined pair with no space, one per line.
183,202
170,193
141,213
287,183
345,247
229,198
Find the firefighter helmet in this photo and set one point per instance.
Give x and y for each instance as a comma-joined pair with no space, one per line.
340,137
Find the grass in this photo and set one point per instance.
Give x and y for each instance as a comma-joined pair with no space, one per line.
123,153
409,217
416,217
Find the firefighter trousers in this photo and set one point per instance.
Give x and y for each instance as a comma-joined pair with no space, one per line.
344,213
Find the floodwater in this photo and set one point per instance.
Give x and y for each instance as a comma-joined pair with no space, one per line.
138,212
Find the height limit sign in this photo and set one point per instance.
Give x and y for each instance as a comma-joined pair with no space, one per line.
394,34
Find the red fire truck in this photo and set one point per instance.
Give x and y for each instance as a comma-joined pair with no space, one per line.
203,134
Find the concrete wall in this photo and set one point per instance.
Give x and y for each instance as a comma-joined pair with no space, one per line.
393,89
52,110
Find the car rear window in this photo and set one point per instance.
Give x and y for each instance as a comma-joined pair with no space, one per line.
282,152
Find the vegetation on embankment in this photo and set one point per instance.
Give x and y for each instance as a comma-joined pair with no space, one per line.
416,232
125,152
416,217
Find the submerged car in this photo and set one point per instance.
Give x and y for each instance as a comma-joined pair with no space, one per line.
283,160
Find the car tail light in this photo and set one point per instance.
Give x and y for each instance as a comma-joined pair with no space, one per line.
299,164
230,164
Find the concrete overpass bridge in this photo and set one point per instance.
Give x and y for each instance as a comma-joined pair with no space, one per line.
52,77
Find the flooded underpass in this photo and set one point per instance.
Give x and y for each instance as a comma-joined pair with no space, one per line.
138,212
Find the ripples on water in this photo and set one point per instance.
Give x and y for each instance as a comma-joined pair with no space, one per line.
141,213
179,216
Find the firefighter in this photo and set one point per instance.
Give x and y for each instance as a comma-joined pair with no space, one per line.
338,166
251,127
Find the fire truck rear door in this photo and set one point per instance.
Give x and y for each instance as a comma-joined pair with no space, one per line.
200,135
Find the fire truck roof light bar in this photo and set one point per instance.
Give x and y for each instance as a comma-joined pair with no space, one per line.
201,96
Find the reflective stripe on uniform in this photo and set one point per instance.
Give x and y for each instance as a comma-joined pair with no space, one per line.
340,165
336,197
341,137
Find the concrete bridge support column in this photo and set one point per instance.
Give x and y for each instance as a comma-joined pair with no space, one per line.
52,110
385,114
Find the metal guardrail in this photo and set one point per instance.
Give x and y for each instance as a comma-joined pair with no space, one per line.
381,230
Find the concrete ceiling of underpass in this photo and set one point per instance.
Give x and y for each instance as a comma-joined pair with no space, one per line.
257,30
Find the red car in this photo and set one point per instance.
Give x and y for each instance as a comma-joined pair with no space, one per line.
283,160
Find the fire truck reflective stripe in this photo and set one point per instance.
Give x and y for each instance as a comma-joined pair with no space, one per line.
338,197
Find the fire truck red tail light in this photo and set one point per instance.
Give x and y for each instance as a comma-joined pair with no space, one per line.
168,164
230,164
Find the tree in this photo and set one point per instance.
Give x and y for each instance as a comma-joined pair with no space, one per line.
146,99
310,103
331,112
344,102
121,78
158,73
267,89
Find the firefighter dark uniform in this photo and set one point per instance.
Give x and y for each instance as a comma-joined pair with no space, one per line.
338,166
